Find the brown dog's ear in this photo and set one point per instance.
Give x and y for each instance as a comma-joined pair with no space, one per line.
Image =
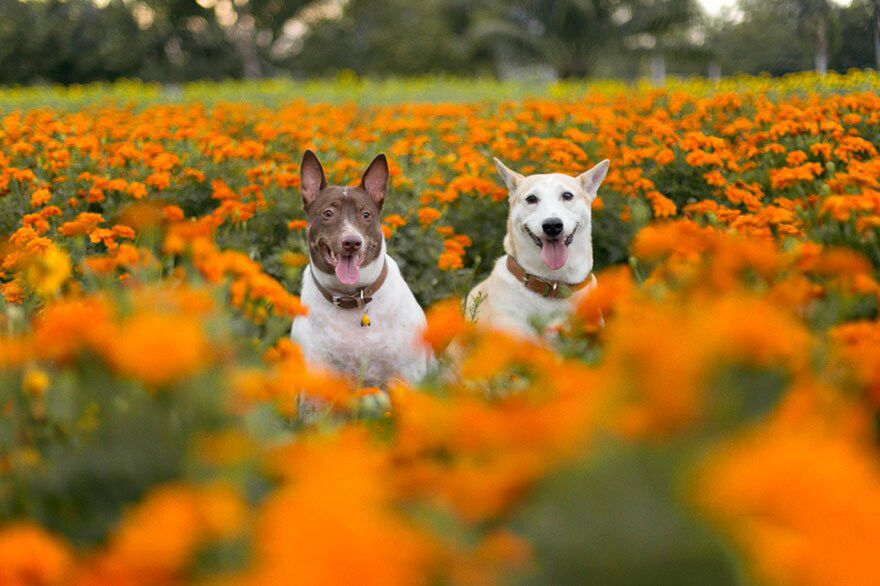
511,178
592,179
375,179
312,179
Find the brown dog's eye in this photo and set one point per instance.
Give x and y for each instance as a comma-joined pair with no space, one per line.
567,196
367,215
532,198
327,213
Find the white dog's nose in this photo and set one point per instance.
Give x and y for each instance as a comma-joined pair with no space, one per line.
552,227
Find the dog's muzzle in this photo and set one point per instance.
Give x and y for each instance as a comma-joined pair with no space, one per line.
537,241
540,243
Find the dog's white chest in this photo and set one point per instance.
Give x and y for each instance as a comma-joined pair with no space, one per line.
508,305
389,347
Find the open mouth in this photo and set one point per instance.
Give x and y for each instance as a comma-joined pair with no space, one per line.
346,266
554,251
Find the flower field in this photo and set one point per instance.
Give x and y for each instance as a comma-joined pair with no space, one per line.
719,428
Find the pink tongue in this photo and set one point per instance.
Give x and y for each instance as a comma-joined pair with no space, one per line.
554,253
347,270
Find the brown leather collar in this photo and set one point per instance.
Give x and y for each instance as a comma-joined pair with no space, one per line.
551,289
359,299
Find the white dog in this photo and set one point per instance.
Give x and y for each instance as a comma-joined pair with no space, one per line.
363,319
549,247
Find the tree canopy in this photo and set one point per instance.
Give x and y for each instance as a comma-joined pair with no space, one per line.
70,41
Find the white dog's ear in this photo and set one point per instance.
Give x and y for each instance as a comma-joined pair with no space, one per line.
511,177
592,179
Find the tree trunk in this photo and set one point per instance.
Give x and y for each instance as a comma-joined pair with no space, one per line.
244,37
658,67
821,46
877,34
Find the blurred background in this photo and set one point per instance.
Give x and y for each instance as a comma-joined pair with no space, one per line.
170,41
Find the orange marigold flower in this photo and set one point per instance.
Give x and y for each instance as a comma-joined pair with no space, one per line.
40,197
159,348
800,500
84,223
665,156
194,174
13,292
172,213
450,260
31,556
160,180
715,178
136,189
395,220
124,231
445,322
795,157
340,482
427,215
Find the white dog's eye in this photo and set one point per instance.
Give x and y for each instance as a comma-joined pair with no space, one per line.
532,198
567,196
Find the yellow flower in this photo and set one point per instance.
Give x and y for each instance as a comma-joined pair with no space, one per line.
35,382
294,260
46,273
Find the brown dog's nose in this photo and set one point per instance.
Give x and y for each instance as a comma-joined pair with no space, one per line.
351,244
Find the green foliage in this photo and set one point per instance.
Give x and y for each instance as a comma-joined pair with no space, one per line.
779,36
620,520
392,37
78,454
173,41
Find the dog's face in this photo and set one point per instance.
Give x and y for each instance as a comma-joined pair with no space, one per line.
344,231
550,214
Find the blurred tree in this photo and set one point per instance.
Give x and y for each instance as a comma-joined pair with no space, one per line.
189,43
813,17
72,41
573,35
665,29
252,28
763,37
67,41
395,37
856,24
781,36
877,34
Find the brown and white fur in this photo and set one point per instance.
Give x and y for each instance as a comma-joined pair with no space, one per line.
346,253
549,232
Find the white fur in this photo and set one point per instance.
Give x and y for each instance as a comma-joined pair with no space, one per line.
505,303
333,338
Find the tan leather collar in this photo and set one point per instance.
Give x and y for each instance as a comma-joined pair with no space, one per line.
544,287
359,299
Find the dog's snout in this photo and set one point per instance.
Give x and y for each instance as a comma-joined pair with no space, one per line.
552,227
351,244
